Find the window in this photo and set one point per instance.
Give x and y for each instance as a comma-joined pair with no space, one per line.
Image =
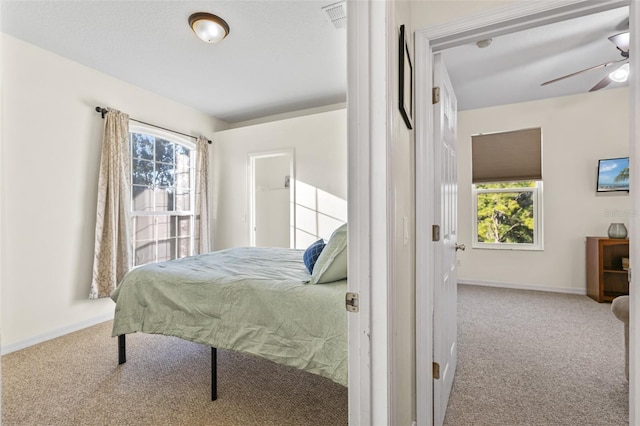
507,189
508,215
163,201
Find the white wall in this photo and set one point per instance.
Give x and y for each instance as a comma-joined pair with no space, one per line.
402,270
576,131
1,229
51,138
434,12
320,161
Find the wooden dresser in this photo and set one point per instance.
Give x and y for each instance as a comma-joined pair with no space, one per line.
606,278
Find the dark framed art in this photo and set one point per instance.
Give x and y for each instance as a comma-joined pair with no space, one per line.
406,80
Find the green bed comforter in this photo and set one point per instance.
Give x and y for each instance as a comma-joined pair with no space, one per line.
252,300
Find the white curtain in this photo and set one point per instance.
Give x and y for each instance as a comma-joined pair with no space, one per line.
113,252
201,233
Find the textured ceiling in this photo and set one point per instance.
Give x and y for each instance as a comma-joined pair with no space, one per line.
280,56
512,68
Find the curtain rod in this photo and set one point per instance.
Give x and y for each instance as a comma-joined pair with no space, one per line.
103,111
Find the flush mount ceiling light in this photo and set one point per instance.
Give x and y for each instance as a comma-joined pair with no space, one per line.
209,28
484,43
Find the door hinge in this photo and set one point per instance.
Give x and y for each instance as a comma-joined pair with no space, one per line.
435,233
352,302
436,370
435,95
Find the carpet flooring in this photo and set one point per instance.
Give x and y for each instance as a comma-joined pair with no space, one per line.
76,380
525,358
537,358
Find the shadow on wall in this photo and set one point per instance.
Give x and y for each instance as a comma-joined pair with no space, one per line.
318,214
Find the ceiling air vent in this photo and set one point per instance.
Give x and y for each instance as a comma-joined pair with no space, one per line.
337,13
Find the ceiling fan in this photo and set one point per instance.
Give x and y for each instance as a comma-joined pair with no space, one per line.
620,72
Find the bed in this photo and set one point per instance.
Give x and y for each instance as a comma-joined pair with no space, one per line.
261,301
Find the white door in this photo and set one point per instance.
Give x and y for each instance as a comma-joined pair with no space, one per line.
445,214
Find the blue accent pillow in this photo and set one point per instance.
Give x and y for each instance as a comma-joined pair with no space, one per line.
332,263
312,253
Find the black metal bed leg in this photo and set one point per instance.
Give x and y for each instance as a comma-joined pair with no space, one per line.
122,349
214,374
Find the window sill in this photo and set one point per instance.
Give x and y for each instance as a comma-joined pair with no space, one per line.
513,247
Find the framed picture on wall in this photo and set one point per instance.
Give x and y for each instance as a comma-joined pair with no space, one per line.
406,80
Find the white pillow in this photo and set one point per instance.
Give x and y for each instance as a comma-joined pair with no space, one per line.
332,263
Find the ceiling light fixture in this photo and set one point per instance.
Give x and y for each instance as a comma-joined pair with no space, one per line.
621,41
621,74
209,28
484,43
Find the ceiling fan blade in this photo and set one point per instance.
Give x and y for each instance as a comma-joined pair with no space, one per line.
623,25
609,78
621,41
601,84
606,64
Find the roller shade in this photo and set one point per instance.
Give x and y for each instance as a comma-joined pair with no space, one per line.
507,156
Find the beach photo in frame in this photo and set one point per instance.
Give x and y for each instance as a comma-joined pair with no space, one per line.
406,80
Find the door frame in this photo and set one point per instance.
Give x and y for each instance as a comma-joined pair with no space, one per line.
492,23
368,85
251,191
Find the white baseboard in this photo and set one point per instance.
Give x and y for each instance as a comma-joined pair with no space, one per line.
5,349
579,291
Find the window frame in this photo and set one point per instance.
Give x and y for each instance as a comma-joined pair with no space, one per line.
191,146
538,227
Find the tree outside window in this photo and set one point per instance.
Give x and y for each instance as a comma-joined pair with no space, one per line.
508,215
162,197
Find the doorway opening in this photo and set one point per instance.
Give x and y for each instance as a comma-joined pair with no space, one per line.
272,199
428,41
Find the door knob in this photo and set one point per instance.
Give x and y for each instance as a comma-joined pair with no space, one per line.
460,247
